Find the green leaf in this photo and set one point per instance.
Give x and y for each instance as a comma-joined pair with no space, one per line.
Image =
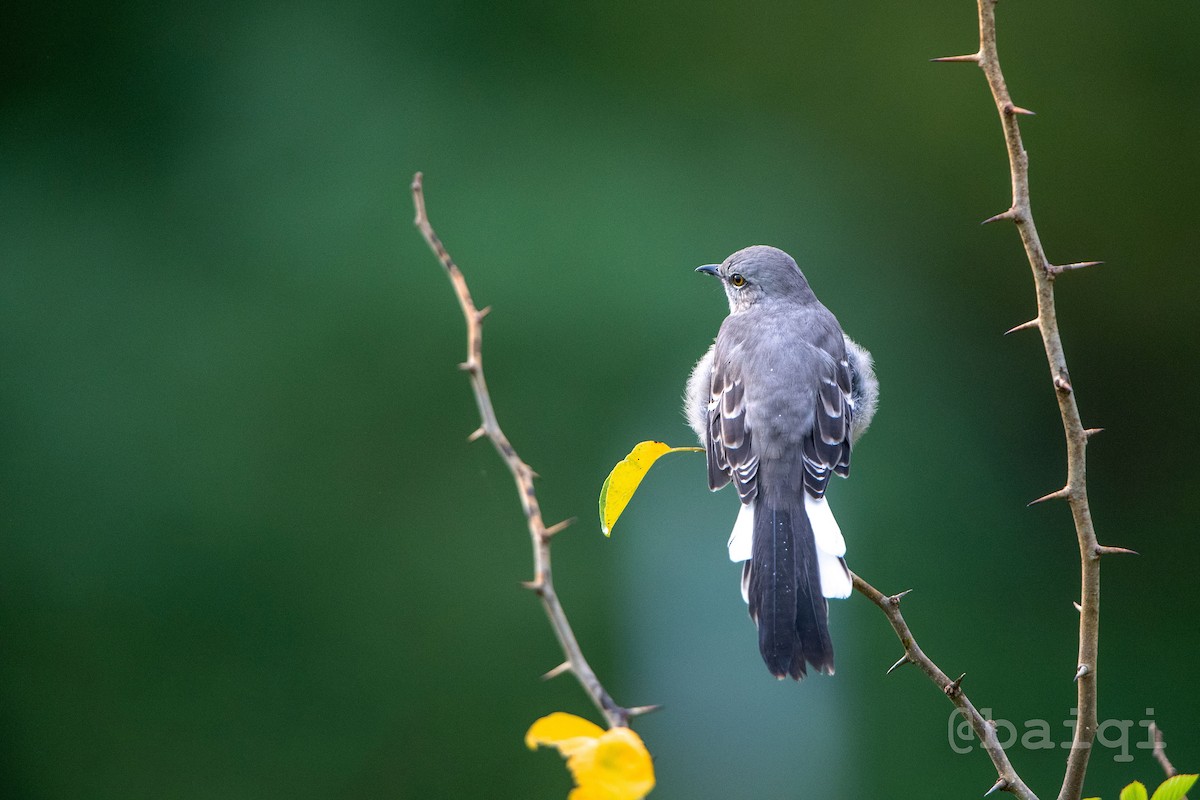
1174,788
1134,791
625,477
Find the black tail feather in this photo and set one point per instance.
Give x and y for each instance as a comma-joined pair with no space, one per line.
785,591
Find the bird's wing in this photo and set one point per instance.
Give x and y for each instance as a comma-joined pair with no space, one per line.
728,434
827,448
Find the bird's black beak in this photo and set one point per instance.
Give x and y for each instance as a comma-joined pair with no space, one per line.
708,269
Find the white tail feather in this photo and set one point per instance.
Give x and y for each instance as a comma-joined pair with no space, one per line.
835,577
831,546
825,528
741,541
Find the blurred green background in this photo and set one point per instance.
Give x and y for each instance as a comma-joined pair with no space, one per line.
246,550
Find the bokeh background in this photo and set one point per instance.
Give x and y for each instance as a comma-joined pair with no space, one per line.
246,550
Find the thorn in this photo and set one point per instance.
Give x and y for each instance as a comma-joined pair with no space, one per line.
537,587
895,599
477,434
559,670
903,660
1010,109
1010,214
1103,550
638,711
996,787
1061,494
1090,432
1062,384
469,366
1079,673
483,312
956,59
954,688
1078,607
1058,269
560,527
1024,326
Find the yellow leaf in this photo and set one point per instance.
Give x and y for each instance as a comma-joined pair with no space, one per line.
606,765
559,727
623,481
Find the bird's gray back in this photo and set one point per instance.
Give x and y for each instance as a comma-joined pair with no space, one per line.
780,354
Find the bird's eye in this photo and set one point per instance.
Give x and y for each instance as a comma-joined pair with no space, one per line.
737,281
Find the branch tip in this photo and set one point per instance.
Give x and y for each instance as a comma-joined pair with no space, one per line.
1024,326
903,660
477,434
999,785
1090,432
1160,751
1061,494
481,313
418,193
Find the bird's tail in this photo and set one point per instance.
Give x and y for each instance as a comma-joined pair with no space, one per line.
782,583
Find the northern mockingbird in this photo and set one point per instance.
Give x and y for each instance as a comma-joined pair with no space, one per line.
777,402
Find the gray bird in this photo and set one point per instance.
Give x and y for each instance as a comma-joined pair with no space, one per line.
777,402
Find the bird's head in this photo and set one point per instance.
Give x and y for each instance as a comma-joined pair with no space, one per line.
760,274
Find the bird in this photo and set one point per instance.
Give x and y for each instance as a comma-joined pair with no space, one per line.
777,403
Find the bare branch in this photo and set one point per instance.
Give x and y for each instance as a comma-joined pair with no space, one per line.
1007,778
542,583
1160,751
1075,491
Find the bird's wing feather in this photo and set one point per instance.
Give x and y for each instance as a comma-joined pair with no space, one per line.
730,455
827,449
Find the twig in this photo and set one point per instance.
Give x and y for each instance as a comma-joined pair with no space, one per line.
542,583
1007,778
1075,490
1160,752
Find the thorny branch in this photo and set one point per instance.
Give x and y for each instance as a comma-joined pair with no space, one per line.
1075,490
1008,779
542,583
